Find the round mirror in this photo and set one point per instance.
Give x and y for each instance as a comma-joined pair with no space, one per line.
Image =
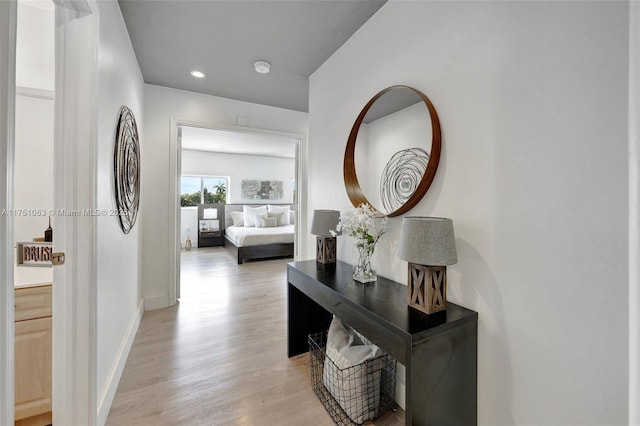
393,151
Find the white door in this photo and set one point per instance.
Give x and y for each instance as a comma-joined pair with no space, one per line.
74,400
74,283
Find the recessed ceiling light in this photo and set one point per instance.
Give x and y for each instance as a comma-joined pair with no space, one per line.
197,74
263,67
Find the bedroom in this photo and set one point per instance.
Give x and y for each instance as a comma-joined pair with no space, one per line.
245,170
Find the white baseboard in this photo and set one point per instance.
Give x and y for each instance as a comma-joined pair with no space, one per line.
113,379
156,302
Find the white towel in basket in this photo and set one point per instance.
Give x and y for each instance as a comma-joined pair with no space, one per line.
351,380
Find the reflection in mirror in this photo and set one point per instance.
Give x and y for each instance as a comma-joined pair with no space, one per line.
392,148
401,176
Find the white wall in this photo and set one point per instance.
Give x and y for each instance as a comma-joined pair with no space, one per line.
532,98
634,214
118,255
241,167
35,53
159,188
33,177
33,165
33,162
189,219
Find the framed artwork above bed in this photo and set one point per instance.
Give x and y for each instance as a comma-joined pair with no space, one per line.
262,189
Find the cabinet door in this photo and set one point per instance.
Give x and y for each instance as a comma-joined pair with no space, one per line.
33,302
32,367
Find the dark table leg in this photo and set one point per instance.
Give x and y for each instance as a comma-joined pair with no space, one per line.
444,379
304,317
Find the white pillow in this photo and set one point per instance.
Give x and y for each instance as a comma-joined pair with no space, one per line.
353,384
338,337
249,212
257,219
237,218
278,217
269,222
292,217
281,209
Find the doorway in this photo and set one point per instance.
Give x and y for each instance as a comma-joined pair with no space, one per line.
73,350
241,155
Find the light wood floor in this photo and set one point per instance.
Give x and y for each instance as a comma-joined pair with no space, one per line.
219,357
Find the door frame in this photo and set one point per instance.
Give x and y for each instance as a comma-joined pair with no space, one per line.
634,213
74,347
75,140
8,21
176,171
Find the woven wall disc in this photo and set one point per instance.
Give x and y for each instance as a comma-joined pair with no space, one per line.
126,168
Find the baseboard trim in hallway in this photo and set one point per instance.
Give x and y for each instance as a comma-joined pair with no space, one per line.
111,386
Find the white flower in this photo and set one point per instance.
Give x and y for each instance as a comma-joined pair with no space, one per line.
363,226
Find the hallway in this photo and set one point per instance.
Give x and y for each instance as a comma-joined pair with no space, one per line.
219,356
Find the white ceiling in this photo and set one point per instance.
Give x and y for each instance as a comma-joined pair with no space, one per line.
223,38
235,142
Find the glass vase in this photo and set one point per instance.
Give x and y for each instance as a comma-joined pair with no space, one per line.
362,271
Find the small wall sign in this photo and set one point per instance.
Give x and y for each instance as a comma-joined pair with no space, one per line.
34,254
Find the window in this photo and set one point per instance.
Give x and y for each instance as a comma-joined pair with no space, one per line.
196,190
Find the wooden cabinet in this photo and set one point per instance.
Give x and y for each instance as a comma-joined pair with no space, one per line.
33,342
33,302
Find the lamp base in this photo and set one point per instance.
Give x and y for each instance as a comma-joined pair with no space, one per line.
427,288
326,250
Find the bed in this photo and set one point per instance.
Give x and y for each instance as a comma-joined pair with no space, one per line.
252,243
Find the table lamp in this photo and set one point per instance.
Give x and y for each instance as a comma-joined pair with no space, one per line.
323,222
210,213
428,244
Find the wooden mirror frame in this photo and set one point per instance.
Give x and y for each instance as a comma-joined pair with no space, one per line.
354,191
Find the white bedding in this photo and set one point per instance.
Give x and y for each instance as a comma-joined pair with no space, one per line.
242,236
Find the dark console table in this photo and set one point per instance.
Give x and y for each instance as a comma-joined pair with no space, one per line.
438,351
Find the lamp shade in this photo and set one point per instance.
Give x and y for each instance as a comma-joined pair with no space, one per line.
210,213
325,221
427,241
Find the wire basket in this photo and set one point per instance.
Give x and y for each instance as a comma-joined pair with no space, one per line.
356,394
